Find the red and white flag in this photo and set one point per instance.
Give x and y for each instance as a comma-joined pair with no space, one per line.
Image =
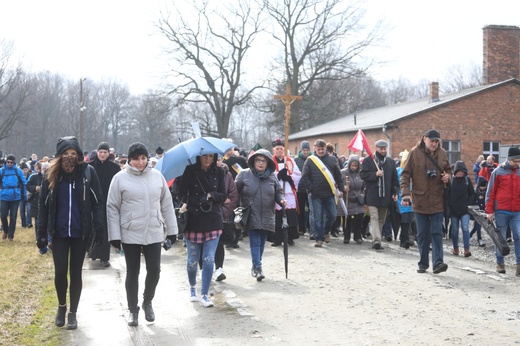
359,142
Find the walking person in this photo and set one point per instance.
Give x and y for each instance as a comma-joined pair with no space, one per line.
289,176
503,203
25,206
259,188
462,194
303,196
139,211
70,207
105,170
322,177
382,187
33,191
13,190
355,189
427,167
202,190
480,200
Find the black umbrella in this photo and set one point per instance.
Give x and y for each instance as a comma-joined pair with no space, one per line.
285,234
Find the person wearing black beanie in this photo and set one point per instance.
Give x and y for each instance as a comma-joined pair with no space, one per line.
12,191
139,213
70,209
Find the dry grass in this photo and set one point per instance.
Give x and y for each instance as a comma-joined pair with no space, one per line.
27,296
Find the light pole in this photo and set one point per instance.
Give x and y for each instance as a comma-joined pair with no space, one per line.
81,109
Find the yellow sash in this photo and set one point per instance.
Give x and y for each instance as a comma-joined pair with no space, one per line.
326,173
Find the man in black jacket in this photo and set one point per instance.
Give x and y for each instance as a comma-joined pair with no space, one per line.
322,177
105,170
382,188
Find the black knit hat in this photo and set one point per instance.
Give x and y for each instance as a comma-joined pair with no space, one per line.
513,153
103,146
159,151
10,157
65,143
136,149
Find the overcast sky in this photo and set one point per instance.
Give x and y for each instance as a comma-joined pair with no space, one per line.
114,39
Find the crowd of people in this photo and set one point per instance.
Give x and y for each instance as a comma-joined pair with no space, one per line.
83,205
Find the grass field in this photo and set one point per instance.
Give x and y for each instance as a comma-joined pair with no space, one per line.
28,300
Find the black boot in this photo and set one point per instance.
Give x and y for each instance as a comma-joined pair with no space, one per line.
60,316
72,323
133,319
149,315
259,274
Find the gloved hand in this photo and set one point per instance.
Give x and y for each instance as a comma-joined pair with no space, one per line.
172,238
42,243
282,175
98,239
116,244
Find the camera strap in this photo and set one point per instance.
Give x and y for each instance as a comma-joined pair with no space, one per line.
434,162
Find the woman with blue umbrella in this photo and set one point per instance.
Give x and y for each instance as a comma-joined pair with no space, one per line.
201,191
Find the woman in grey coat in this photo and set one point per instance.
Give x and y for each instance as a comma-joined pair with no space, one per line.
355,200
259,186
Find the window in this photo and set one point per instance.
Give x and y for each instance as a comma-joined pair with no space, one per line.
452,149
491,148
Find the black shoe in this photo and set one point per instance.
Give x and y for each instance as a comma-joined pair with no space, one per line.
290,242
259,274
509,240
276,244
389,239
235,246
72,323
377,246
29,225
133,319
312,237
346,241
439,268
334,234
148,311
421,271
105,263
60,316
405,245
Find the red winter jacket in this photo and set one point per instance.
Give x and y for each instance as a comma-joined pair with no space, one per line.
503,192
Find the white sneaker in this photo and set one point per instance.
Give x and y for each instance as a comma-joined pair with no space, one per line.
193,294
219,274
206,302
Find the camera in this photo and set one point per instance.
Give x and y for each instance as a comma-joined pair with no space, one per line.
431,173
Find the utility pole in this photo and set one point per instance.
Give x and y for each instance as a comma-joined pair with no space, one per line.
287,100
81,109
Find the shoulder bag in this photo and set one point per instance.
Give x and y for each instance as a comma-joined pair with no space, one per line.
242,213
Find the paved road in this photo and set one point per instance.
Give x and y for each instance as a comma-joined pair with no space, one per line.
337,295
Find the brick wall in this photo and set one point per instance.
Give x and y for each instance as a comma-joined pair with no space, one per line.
501,53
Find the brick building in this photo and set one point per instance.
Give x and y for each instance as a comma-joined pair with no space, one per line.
471,122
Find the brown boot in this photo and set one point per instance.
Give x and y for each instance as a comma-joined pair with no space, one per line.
467,253
455,251
518,270
501,268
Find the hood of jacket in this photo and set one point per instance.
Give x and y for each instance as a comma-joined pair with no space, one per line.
460,166
264,153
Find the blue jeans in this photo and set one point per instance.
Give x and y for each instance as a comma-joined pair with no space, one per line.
9,208
429,231
209,248
257,240
323,207
25,213
508,219
464,224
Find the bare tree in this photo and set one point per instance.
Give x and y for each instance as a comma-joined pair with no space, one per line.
458,78
15,89
322,40
208,50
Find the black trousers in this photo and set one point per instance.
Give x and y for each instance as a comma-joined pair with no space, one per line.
65,251
354,225
303,216
152,258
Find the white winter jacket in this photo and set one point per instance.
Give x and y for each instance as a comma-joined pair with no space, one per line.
139,207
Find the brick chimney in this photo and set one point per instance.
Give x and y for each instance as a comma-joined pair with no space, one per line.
501,53
434,91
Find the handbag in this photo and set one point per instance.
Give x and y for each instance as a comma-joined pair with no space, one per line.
242,213
228,232
182,220
361,199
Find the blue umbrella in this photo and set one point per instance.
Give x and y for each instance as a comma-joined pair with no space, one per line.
175,160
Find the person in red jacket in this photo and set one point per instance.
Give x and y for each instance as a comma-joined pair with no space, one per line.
487,167
503,203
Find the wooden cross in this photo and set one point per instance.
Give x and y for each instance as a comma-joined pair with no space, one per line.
287,100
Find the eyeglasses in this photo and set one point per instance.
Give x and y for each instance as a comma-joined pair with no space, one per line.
10,162
260,160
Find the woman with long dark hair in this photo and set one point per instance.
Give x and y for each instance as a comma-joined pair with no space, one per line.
70,207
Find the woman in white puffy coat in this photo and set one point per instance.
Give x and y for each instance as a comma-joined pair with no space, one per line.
139,210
